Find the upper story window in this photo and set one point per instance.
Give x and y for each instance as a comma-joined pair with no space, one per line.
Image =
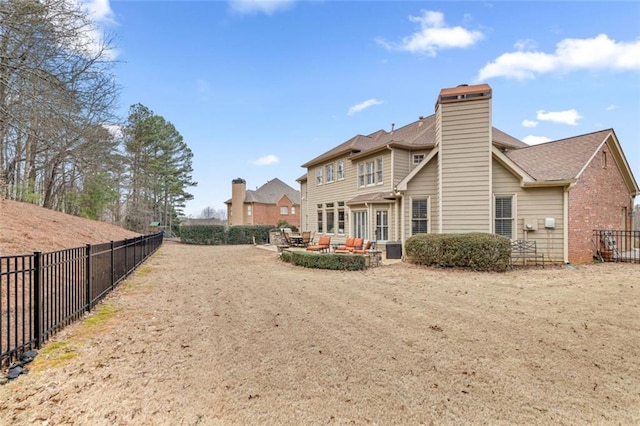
319,176
329,170
249,210
417,159
284,210
370,172
371,176
293,209
340,170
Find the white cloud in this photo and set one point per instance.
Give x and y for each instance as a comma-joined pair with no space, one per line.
363,105
266,160
529,123
571,54
570,117
267,7
535,140
434,35
525,44
98,10
91,40
612,107
114,129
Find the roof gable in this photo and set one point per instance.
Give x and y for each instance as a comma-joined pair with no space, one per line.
271,192
559,160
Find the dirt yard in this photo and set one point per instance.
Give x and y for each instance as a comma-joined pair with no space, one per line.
231,335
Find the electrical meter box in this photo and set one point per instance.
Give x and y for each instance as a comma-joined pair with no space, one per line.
530,224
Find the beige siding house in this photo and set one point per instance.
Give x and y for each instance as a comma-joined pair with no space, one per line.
454,172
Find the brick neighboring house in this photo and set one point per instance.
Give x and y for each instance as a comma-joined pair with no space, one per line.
454,172
267,205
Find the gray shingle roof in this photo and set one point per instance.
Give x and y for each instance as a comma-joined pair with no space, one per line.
420,133
558,160
271,192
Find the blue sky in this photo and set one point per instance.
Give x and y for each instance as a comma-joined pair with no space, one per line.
258,88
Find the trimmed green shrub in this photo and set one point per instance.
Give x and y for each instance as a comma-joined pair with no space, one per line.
475,250
221,234
344,262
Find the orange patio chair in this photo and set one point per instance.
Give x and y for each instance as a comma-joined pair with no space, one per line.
366,246
322,245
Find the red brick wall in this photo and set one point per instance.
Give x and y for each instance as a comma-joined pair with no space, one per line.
269,214
596,202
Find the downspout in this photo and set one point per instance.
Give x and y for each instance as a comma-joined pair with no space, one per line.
403,232
397,222
565,231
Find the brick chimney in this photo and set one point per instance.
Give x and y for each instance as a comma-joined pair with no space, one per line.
463,134
238,194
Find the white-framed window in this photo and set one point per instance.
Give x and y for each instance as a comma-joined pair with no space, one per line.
293,209
370,172
382,225
340,170
417,159
360,224
419,216
284,210
330,215
361,174
320,221
249,209
329,172
341,217
319,176
503,216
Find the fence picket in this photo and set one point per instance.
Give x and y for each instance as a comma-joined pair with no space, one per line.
44,292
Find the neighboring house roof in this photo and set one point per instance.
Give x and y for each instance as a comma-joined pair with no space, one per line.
559,160
271,192
416,135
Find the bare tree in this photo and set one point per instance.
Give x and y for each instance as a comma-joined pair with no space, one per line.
56,90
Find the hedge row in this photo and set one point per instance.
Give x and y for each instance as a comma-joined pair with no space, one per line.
221,234
478,251
345,262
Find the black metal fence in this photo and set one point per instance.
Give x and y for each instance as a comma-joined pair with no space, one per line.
41,293
616,246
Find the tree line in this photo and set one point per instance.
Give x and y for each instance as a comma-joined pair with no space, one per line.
62,145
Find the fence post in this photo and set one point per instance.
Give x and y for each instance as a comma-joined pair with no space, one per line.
38,313
88,277
112,267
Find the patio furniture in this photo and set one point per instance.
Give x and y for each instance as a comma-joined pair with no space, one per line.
364,249
350,245
322,245
307,237
287,237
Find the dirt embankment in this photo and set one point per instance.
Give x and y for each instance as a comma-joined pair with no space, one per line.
25,228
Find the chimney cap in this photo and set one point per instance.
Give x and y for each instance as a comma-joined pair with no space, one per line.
464,93
238,180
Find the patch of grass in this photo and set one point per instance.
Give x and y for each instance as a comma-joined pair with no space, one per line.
103,313
52,355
